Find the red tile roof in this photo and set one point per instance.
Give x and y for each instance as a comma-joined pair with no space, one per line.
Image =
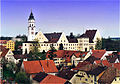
81,64
3,50
3,41
103,62
48,66
116,65
51,79
98,53
67,54
32,67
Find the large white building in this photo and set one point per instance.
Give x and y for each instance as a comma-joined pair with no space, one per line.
82,43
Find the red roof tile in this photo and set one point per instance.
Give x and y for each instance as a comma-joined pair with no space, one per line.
104,62
3,41
81,64
32,67
116,65
51,79
98,53
48,66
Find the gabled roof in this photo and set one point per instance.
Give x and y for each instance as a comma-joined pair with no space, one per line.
51,79
53,37
3,50
98,53
32,67
40,76
108,76
103,62
47,66
90,34
81,64
91,59
72,40
66,74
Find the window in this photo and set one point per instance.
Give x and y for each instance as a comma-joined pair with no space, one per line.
64,40
32,32
86,79
32,29
91,81
32,24
115,79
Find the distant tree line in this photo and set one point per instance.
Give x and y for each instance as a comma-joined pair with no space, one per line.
110,44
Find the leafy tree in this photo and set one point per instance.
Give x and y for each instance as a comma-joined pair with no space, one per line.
21,78
98,45
61,46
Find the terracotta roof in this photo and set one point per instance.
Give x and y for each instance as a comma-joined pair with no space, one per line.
32,67
51,79
48,66
66,74
98,53
91,59
40,76
3,41
108,76
63,54
103,62
3,50
81,64
90,34
53,37
80,54
116,65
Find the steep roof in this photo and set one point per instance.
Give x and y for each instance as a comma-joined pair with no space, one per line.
51,79
66,74
40,76
53,37
98,53
3,50
108,76
90,34
31,17
47,66
72,40
32,67
103,62
81,64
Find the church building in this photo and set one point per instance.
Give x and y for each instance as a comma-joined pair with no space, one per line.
83,43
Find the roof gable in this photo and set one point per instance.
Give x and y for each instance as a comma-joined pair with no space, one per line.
51,79
53,37
32,67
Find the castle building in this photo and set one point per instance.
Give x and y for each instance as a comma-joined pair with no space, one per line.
83,43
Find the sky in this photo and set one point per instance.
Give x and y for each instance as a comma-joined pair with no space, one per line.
66,16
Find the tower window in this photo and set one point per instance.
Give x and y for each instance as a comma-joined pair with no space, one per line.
32,28
32,24
32,32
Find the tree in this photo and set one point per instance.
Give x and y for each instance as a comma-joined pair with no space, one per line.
61,46
21,77
51,53
98,45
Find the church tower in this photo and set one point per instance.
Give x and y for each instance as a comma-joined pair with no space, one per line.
31,27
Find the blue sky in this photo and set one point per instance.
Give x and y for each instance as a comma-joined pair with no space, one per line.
60,16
